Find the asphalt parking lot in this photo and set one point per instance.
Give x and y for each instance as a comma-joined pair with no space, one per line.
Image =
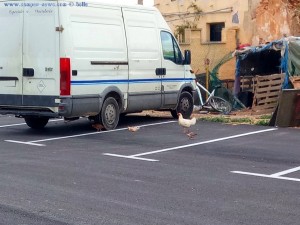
70,174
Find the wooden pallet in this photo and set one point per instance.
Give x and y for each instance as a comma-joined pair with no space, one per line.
295,80
247,83
266,93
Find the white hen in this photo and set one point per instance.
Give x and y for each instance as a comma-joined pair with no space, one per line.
185,123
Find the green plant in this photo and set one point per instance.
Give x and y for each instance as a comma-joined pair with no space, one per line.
196,10
219,119
241,120
180,29
265,117
262,122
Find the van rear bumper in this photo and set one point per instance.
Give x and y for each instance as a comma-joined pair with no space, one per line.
51,106
25,111
28,105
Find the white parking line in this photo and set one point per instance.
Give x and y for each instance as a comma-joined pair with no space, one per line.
137,156
13,125
273,176
25,143
131,157
81,135
21,124
286,172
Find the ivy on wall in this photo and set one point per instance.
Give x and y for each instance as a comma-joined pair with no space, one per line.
179,31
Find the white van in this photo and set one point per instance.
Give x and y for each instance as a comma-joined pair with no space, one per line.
82,59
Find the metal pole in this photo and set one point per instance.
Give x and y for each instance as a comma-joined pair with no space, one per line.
207,62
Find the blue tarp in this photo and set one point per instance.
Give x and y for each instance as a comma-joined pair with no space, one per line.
280,55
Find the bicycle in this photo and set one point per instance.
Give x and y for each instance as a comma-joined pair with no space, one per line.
217,103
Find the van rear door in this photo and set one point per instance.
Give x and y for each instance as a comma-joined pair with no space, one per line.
40,72
11,22
29,56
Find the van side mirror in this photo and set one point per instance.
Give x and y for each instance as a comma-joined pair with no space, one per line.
187,57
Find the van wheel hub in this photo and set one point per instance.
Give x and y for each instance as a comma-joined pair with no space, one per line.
185,104
110,114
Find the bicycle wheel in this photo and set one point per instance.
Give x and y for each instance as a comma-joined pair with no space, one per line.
220,104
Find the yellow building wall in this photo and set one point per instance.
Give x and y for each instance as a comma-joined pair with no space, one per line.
213,52
260,21
197,36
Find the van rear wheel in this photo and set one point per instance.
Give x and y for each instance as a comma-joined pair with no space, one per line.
110,114
36,122
185,106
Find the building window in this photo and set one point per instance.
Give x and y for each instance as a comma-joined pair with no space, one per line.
216,31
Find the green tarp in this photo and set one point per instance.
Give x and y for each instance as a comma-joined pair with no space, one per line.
294,58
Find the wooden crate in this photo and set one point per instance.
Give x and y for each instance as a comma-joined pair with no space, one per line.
295,80
266,93
247,83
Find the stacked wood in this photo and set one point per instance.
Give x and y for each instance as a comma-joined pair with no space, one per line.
295,80
266,93
247,83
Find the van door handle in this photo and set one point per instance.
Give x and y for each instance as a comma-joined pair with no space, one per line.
160,71
28,72
8,78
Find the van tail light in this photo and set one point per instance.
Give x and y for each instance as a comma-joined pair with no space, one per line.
65,76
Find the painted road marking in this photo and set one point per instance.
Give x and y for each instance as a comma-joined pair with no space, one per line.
273,176
13,125
25,143
286,172
21,124
131,157
137,156
81,135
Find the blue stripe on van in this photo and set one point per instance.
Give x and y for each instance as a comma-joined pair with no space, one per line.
95,82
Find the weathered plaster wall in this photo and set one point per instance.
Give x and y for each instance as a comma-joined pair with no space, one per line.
276,18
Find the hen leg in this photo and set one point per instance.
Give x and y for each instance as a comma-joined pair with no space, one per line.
191,135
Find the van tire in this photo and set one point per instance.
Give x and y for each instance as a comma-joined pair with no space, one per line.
110,114
185,106
174,113
36,122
